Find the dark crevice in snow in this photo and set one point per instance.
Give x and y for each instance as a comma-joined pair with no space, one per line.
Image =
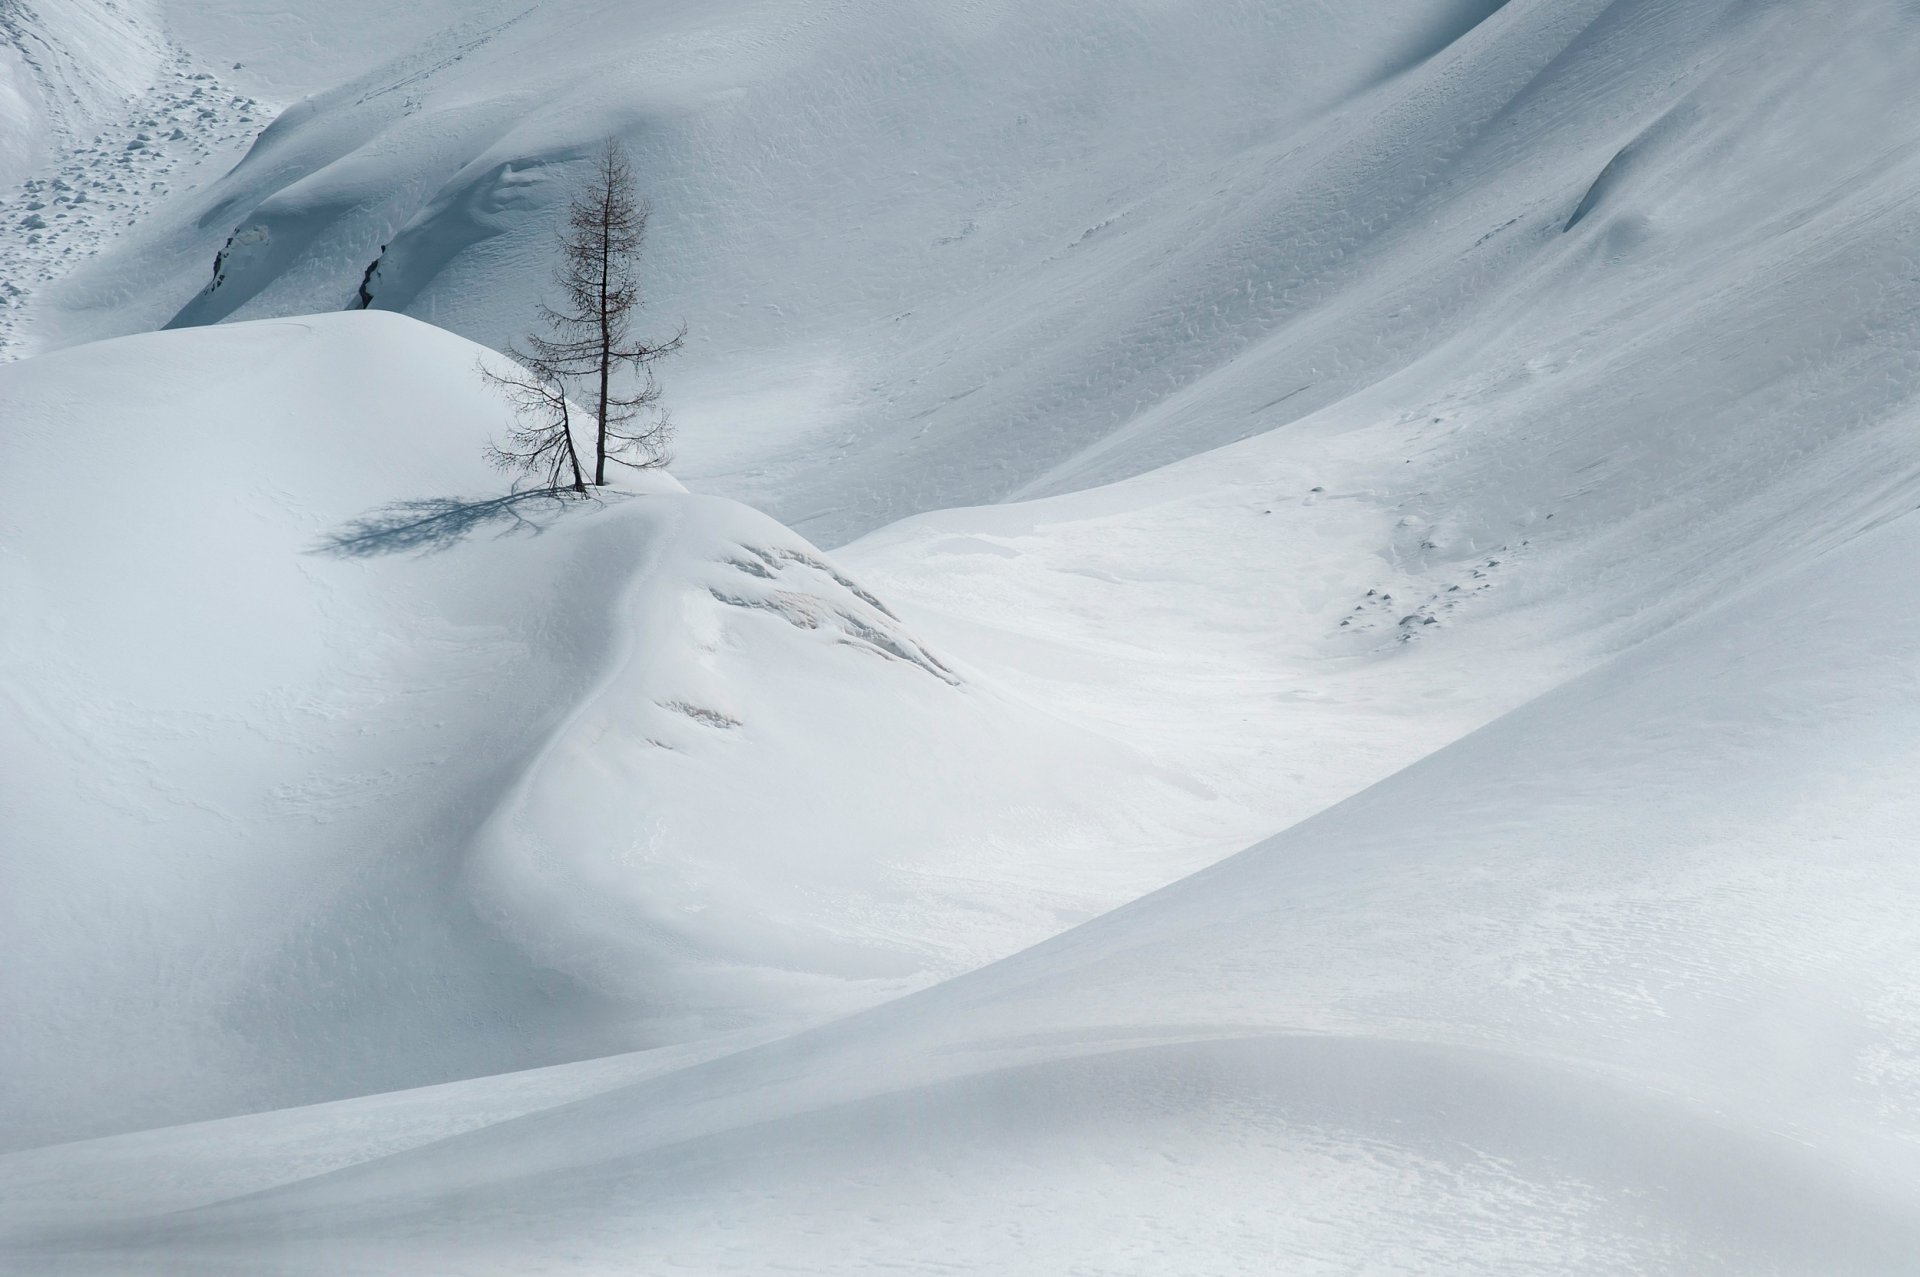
245,237
363,297
220,264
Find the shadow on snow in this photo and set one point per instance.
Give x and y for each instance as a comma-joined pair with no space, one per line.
432,524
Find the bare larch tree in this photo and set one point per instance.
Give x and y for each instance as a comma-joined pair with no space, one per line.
591,330
588,339
541,441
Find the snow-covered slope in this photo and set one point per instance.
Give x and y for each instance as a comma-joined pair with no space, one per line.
933,258
331,769
258,727
1621,983
107,129
1465,452
238,766
66,69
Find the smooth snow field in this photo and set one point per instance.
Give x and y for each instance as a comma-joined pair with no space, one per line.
1284,638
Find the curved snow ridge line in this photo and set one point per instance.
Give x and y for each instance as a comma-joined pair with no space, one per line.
421,65
314,200
167,1170
721,622
1602,1165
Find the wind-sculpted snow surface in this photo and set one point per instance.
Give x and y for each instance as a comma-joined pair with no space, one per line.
933,257
1466,462
58,219
332,769
241,767
1621,983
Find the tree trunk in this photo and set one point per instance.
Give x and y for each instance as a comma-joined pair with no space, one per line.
606,327
573,458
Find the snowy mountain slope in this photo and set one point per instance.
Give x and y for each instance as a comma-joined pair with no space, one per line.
747,119
330,773
239,770
122,120
287,51
1620,983
931,261
110,126
736,108
66,69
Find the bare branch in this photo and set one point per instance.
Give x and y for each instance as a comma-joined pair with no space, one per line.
540,444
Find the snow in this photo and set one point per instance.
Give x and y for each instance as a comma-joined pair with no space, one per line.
1315,673
110,120
564,767
1663,1023
1279,210
472,784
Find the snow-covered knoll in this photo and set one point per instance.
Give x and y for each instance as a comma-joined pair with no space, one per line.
1623,982
332,769
239,766
256,722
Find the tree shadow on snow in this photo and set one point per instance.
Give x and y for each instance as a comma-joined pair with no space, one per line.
432,524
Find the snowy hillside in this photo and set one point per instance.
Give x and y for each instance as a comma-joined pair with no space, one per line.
1287,644
1622,983
451,783
933,257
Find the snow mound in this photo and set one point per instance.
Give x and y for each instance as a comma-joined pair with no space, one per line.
1622,982
332,769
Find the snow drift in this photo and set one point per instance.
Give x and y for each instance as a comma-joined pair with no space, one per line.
335,769
331,769
1620,983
